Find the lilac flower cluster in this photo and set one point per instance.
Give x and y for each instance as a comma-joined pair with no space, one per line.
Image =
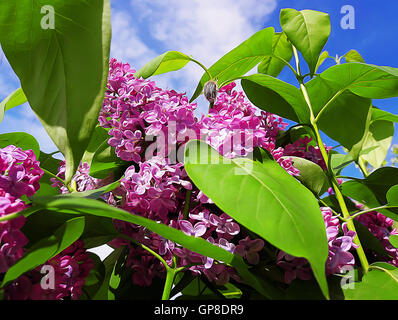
81,178
70,269
339,251
382,228
156,188
19,175
135,108
234,128
303,149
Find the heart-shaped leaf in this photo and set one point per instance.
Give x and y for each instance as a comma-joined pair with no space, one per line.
308,31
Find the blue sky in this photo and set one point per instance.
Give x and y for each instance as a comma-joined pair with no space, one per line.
207,29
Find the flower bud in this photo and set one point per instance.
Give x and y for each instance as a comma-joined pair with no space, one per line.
210,91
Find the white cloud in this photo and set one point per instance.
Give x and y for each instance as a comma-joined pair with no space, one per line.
205,29
126,44
22,118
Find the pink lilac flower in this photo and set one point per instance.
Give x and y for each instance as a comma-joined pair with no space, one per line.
19,171
135,107
12,240
303,149
135,110
339,256
81,178
71,267
249,249
382,228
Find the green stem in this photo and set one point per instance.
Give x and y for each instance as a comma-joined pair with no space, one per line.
15,215
203,67
170,275
356,214
58,178
146,248
332,177
362,166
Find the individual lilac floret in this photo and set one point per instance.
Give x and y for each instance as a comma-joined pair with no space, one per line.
249,249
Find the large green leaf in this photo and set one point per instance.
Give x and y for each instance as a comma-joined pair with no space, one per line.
46,248
379,136
240,60
276,96
63,71
338,111
311,175
13,100
281,48
21,140
380,283
371,195
264,198
378,114
345,119
365,80
166,62
77,205
308,31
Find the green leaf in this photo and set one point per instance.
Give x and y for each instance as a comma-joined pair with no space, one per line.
365,80
13,100
264,198
338,111
353,56
378,114
345,119
324,55
311,175
166,62
76,205
240,60
50,164
109,263
377,284
63,71
339,161
393,240
392,196
105,162
281,48
368,195
379,136
21,140
276,96
98,138
94,280
46,248
308,31
368,240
